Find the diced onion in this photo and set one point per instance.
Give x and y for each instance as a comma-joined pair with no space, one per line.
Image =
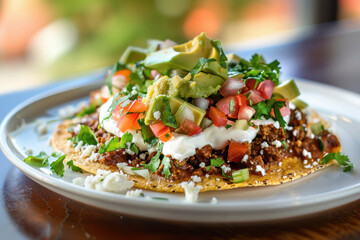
201,103
231,87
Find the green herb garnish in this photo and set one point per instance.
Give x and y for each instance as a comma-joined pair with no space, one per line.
166,170
228,126
317,128
86,135
40,160
217,44
154,163
200,66
216,162
232,106
126,142
87,111
341,159
57,166
73,167
110,145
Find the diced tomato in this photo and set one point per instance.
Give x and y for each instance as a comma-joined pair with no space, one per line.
250,85
284,110
224,106
231,87
137,106
126,121
123,72
237,151
161,131
266,88
246,112
190,127
218,117
255,97
118,112
241,100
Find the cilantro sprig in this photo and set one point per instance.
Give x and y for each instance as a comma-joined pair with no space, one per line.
110,145
73,167
87,111
42,160
166,170
200,65
154,163
126,142
264,108
86,135
341,159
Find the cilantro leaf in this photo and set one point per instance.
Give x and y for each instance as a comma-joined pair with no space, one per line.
91,109
341,159
118,66
166,170
154,163
167,117
110,145
146,133
216,162
73,167
278,115
57,166
217,44
228,126
40,160
232,106
200,66
86,135
125,138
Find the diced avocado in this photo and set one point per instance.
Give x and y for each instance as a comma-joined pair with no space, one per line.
299,103
189,111
241,124
160,109
233,58
287,90
202,85
185,57
132,55
175,103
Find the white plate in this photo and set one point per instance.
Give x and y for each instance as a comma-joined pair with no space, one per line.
322,190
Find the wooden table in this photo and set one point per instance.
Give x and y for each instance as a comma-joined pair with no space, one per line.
27,210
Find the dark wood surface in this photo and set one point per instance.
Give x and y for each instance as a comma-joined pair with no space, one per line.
329,54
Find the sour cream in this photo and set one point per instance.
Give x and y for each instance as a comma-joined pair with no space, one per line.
182,146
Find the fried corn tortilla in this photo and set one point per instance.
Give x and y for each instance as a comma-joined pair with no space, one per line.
291,168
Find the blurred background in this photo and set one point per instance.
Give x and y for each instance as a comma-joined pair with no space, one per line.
43,41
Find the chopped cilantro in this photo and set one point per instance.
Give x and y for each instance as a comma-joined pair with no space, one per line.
321,145
200,66
135,168
216,162
341,159
147,134
160,198
86,135
110,145
217,44
91,109
208,168
263,109
154,163
285,145
228,126
166,170
167,117
73,167
40,160
57,166
126,142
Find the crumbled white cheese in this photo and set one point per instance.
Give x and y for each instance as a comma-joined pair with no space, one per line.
108,181
202,164
295,132
315,163
191,191
312,136
207,175
217,179
93,157
260,169
130,152
305,153
196,178
157,115
264,145
142,156
134,193
77,128
261,152
284,177
225,168
78,181
276,143
125,168
133,92
277,125
280,163
41,127
87,150
213,200
287,127
305,161
245,158
67,112
143,173
308,166
298,115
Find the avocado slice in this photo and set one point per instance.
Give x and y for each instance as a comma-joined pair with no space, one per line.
185,57
191,112
133,54
287,90
233,58
299,103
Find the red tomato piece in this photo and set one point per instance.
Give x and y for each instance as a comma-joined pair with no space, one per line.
237,151
161,131
241,100
218,117
123,72
284,110
255,97
246,113
126,121
190,127
266,88
250,85
224,106
137,106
